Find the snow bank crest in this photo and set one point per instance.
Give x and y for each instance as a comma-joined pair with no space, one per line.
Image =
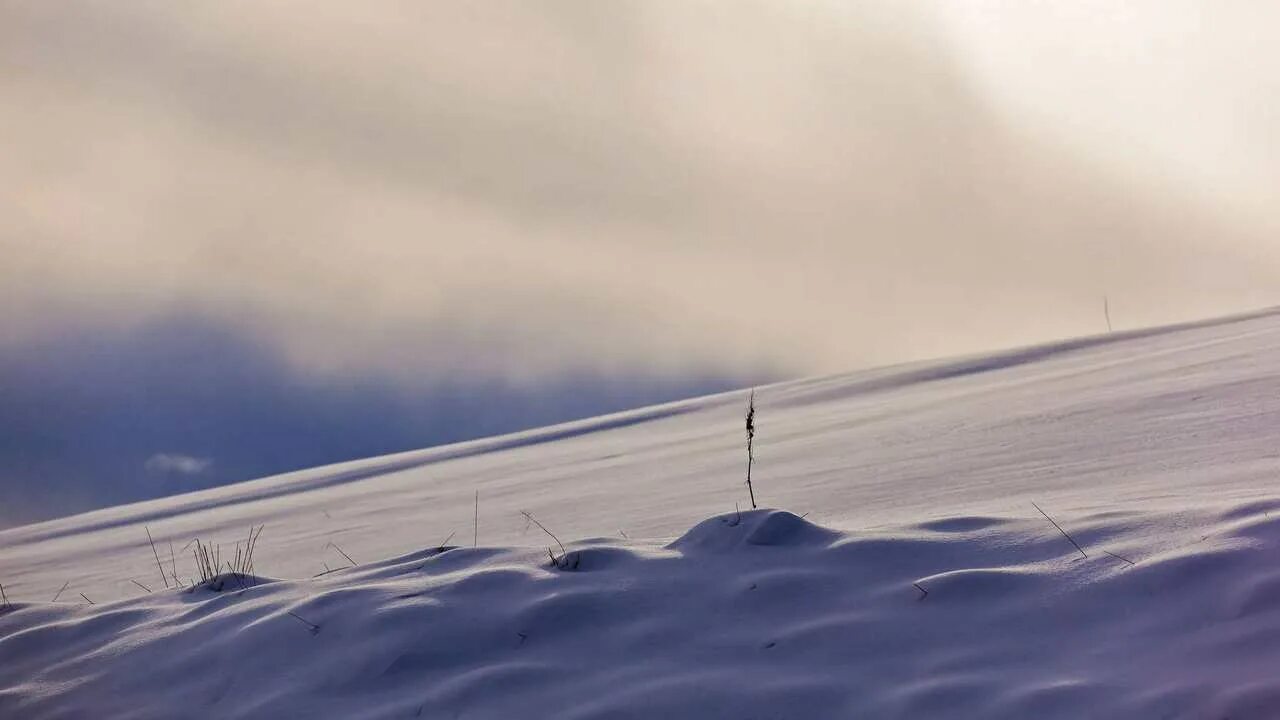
761,528
752,614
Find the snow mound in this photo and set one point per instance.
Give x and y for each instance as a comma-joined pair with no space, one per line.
734,531
758,614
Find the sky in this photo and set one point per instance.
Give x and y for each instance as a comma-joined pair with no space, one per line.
240,238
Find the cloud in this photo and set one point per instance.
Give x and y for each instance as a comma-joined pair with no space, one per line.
165,463
507,191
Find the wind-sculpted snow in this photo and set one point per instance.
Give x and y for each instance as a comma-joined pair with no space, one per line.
911,575
758,614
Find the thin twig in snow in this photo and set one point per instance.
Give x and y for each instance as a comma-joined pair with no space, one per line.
86,599
1120,557
135,582
923,593
348,557
64,587
1064,532
314,628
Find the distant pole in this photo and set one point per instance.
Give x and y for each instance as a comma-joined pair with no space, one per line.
751,436
1106,310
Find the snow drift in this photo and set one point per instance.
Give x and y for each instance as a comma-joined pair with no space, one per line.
912,577
752,615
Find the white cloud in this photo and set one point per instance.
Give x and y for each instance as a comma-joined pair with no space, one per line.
510,189
174,463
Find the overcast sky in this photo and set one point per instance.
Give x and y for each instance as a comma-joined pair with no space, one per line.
235,233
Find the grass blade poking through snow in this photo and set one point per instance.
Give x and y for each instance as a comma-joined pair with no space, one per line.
751,436
334,545
173,565
314,628
1064,532
440,549
1121,558
209,564
563,562
157,555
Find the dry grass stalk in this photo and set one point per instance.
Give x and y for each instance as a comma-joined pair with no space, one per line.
751,437
209,563
564,561
157,555
1064,532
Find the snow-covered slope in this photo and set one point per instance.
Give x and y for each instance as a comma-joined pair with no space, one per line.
921,582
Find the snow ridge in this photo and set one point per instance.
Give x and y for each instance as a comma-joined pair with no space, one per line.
758,614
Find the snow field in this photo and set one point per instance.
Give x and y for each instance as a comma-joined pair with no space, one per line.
921,581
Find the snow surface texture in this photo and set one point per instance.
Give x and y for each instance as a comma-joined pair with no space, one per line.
922,583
